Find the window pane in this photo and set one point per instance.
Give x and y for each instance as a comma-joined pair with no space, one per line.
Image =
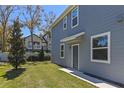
74,21
64,25
100,41
62,54
100,54
74,12
65,22
62,47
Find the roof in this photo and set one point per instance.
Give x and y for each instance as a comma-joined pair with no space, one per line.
30,35
66,39
35,35
67,10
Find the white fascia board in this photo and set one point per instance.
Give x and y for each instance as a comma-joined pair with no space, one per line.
72,37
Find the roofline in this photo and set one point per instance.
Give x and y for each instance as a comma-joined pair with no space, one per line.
66,11
36,36
30,35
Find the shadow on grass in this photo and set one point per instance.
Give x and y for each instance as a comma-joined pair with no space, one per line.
11,74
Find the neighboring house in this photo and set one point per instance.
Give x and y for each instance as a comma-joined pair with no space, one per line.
91,39
49,45
38,43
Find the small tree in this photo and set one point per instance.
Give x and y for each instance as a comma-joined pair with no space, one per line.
16,53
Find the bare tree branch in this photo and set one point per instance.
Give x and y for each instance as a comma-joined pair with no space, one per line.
49,18
5,13
32,17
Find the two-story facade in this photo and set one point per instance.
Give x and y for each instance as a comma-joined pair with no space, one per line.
38,43
91,39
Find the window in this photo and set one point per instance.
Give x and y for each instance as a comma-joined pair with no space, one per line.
100,48
74,17
29,44
65,23
62,50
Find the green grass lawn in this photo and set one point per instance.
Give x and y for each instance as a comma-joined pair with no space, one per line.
40,74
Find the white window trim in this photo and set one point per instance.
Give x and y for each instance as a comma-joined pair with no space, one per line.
64,22
109,47
63,51
77,17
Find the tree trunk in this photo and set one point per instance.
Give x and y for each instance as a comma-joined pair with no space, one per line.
16,67
32,50
3,40
32,40
47,46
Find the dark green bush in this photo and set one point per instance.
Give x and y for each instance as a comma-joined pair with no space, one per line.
33,58
47,57
41,55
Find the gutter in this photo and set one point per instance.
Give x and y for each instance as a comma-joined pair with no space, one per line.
67,10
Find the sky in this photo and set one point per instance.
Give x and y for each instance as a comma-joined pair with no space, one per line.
57,9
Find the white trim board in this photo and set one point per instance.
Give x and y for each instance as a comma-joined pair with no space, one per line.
72,37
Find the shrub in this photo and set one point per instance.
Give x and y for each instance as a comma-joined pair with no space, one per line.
47,57
41,55
47,51
33,58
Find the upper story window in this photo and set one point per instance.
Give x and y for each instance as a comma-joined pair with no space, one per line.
65,23
29,44
100,48
35,44
74,17
62,50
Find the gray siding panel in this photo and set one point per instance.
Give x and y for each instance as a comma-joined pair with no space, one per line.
94,20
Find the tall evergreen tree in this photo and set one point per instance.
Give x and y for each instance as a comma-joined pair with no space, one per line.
16,53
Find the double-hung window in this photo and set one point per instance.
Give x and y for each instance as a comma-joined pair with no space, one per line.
74,17
100,48
65,23
62,50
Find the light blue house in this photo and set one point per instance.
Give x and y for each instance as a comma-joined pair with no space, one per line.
91,39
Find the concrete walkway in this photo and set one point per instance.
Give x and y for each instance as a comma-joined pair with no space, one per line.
94,81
